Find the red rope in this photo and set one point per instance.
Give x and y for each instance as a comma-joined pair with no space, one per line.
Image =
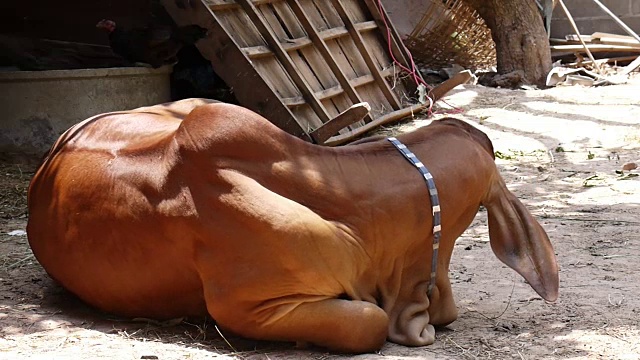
413,72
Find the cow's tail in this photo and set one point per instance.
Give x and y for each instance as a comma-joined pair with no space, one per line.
519,241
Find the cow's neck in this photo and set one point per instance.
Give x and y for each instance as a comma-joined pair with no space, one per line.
372,194
376,192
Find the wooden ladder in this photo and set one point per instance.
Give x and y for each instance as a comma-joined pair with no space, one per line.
306,65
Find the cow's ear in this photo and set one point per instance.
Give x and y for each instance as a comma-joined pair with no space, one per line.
520,242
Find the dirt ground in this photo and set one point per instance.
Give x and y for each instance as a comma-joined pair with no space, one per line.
559,150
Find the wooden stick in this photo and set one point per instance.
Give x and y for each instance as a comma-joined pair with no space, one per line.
594,48
386,119
441,90
575,28
436,94
606,60
351,115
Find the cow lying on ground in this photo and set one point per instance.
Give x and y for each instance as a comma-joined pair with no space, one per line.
193,207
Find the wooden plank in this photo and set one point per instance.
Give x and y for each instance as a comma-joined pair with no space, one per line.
442,89
574,37
284,58
355,113
308,62
360,44
602,61
347,55
222,5
382,120
325,52
625,38
601,42
234,68
312,58
293,101
378,52
239,27
635,63
255,52
614,39
325,19
337,90
277,77
354,10
282,34
343,48
342,31
323,95
379,105
594,48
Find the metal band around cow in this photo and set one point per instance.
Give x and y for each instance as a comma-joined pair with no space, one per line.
435,204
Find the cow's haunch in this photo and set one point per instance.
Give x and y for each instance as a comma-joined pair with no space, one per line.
195,207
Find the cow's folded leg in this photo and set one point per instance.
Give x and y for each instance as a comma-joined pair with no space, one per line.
340,325
411,327
409,319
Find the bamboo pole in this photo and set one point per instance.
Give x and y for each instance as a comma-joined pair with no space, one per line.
575,28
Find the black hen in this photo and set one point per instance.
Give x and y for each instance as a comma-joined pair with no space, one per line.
153,45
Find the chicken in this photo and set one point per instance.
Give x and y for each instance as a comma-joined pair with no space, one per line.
155,45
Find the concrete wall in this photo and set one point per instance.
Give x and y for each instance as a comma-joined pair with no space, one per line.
590,18
37,106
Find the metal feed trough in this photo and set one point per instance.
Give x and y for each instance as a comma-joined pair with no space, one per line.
303,64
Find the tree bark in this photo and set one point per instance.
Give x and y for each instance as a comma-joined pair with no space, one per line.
518,31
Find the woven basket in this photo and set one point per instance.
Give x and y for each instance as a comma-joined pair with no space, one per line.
451,32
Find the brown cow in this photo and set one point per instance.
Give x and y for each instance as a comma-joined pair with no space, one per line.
163,212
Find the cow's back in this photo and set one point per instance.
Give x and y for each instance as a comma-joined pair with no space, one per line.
99,180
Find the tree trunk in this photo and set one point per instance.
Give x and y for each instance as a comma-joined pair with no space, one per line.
518,31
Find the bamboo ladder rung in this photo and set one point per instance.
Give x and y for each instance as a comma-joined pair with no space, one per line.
337,90
286,61
256,52
216,6
260,51
364,52
328,58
